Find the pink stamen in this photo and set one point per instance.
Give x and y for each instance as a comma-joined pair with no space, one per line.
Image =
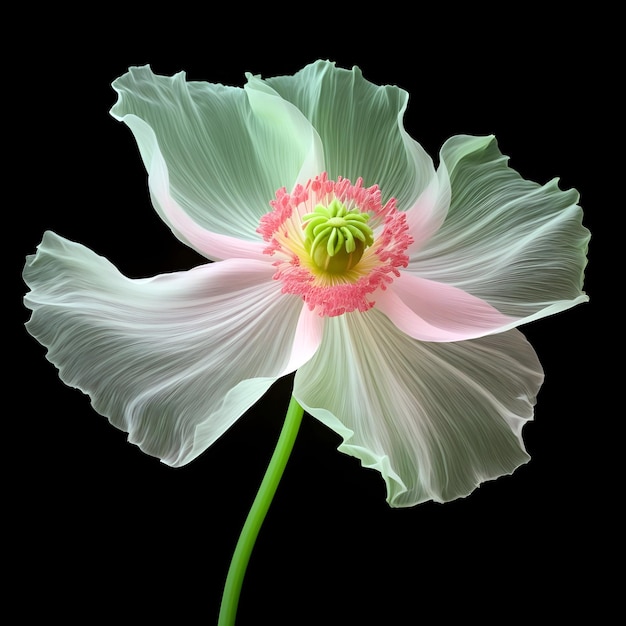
282,227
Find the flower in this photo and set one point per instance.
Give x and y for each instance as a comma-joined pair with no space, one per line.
392,288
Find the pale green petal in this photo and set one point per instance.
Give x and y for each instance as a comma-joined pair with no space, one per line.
436,419
284,126
517,245
361,128
227,150
172,360
213,245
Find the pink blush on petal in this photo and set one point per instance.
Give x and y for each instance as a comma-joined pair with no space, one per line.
432,311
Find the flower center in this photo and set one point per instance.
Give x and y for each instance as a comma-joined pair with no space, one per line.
336,237
334,243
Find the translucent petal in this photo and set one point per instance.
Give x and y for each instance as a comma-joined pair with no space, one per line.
435,419
428,213
432,311
517,245
226,150
361,128
213,245
283,117
173,360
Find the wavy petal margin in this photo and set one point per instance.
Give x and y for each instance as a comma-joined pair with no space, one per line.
224,151
361,129
511,242
173,360
435,419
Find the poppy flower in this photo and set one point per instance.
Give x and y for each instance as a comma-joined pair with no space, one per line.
337,250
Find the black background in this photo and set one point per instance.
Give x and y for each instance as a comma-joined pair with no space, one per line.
101,530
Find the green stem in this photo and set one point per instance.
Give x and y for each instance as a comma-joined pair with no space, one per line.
258,511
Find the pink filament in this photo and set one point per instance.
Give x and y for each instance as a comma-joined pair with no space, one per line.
387,254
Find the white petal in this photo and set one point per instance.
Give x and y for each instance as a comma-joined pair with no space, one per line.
436,419
211,244
431,311
289,123
361,128
429,212
225,150
173,360
515,244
